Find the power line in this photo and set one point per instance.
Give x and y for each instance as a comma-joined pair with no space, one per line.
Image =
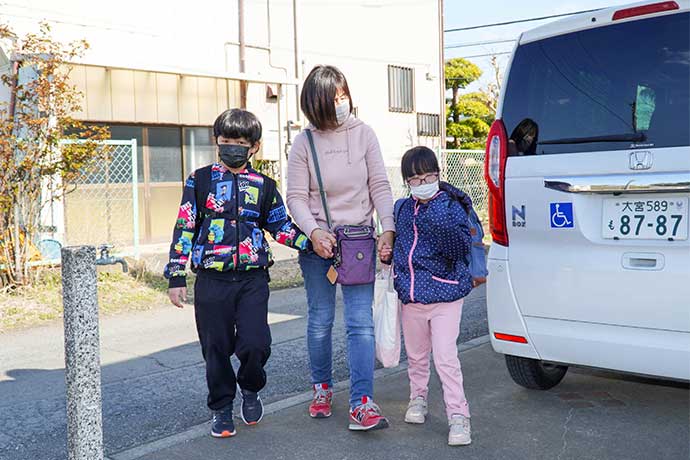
482,55
493,42
521,20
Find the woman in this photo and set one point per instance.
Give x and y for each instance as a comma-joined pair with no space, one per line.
356,184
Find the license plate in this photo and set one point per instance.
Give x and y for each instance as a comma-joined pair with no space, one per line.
646,219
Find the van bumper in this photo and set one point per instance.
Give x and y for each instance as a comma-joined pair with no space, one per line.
503,312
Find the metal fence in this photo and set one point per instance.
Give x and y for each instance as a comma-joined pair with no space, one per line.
465,170
103,208
461,168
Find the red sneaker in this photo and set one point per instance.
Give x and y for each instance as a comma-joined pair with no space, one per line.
320,406
367,416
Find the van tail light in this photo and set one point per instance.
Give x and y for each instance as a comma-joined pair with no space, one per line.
645,9
494,173
510,338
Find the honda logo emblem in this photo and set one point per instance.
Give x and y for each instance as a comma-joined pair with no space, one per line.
639,161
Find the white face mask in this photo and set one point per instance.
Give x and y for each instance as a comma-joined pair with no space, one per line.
424,191
342,112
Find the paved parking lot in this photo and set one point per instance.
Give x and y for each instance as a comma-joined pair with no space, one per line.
590,415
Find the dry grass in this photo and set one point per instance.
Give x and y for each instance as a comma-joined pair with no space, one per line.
140,289
42,302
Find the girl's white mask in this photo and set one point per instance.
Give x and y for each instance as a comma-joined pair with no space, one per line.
424,191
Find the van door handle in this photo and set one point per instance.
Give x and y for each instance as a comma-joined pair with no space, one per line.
617,184
643,261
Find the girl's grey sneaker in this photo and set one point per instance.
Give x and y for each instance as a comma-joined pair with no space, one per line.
222,425
252,407
416,410
460,433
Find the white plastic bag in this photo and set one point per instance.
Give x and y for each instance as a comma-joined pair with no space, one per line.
386,320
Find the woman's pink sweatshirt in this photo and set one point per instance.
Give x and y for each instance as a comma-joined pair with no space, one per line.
354,178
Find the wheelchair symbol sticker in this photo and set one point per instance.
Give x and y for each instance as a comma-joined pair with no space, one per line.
562,215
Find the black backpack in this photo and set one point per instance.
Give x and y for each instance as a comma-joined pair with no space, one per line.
202,189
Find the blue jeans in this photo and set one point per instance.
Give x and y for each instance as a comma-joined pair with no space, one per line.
359,324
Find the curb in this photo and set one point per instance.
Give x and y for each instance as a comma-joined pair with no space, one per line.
277,406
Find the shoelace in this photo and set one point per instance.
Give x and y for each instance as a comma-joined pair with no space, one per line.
370,407
461,422
417,403
321,396
222,415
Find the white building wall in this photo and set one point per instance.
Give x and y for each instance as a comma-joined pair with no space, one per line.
361,37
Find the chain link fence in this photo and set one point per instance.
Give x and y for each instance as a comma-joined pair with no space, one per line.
103,207
462,168
465,170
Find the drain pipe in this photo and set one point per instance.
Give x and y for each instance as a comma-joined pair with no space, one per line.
298,60
243,83
442,76
270,45
281,146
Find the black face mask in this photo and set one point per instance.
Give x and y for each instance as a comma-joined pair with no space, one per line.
233,155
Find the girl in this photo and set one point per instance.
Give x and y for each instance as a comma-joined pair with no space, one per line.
430,257
356,184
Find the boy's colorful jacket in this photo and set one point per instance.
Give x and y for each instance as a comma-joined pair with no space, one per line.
431,249
226,234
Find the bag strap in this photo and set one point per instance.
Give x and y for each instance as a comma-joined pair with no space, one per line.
270,188
322,192
397,207
202,186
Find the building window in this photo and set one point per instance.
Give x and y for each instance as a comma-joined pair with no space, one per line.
400,89
165,154
428,124
199,148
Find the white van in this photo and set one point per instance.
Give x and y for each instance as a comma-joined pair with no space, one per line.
588,168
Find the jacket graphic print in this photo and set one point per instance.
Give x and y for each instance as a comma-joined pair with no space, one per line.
220,225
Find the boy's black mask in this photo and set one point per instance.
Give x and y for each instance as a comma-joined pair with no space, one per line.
233,155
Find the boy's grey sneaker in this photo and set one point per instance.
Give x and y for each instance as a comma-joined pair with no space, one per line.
460,433
252,407
416,410
222,425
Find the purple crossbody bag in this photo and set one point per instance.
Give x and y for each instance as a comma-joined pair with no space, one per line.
355,252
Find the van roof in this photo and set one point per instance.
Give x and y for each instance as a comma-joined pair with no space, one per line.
591,20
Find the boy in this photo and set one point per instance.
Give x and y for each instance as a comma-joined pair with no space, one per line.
225,209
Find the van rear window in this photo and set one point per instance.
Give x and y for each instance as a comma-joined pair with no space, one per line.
615,87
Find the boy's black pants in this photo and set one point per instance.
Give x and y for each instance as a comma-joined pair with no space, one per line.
231,311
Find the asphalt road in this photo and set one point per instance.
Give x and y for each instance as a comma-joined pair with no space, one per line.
153,374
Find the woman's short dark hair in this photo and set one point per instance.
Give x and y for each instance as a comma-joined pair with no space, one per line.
318,96
419,160
237,123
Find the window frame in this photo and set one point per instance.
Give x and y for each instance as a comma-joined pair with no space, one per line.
428,124
401,89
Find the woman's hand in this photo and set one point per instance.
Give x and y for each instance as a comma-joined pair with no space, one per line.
323,243
385,246
478,281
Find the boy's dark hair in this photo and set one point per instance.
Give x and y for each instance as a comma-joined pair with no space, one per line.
419,160
318,96
236,123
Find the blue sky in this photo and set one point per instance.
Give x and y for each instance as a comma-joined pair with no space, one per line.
462,13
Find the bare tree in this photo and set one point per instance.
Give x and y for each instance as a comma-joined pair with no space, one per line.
33,161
